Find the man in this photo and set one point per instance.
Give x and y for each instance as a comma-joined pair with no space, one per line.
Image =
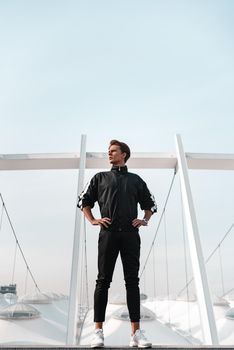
118,192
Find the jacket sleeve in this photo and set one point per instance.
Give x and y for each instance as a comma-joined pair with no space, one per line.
146,198
88,196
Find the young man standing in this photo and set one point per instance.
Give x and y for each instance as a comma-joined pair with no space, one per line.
118,193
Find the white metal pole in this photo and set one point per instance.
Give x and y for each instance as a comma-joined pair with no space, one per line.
73,299
208,324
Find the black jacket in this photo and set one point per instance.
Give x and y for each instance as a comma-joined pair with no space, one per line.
118,192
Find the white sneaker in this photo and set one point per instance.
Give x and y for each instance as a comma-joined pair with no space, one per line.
98,339
139,340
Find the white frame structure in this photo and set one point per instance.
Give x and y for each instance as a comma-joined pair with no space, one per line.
73,300
206,311
96,160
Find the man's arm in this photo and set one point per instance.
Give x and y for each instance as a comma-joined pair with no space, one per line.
144,222
147,203
147,216
89,216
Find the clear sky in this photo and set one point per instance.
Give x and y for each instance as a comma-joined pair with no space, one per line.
139,71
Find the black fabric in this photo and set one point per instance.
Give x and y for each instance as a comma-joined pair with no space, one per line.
118,192
110,244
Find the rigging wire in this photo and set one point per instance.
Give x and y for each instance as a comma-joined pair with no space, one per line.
226,234
159,223
26,282
14,263
2,211
229,291
17,242
154,276
167,269
221,269
209,257
154,272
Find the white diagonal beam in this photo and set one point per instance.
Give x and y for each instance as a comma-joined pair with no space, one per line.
198,264
73,299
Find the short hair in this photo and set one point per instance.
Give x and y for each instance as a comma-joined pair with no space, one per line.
123,147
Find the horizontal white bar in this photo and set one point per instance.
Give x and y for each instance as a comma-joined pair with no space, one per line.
210,161
99,160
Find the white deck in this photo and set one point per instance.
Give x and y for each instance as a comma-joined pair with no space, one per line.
50,328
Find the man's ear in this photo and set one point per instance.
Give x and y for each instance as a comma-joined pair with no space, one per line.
124,155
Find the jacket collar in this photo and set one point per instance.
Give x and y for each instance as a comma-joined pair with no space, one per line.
121,169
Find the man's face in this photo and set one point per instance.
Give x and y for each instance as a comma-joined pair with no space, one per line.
116,157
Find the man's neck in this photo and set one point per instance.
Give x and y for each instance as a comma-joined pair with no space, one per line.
119,164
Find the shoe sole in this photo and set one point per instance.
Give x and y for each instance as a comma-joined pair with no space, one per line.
140,346
97,346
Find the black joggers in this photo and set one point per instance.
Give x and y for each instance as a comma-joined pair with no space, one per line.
109,245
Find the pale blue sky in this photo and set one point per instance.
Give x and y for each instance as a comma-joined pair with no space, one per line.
139,71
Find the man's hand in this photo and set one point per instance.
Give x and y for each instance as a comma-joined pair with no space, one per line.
138,223
102,222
